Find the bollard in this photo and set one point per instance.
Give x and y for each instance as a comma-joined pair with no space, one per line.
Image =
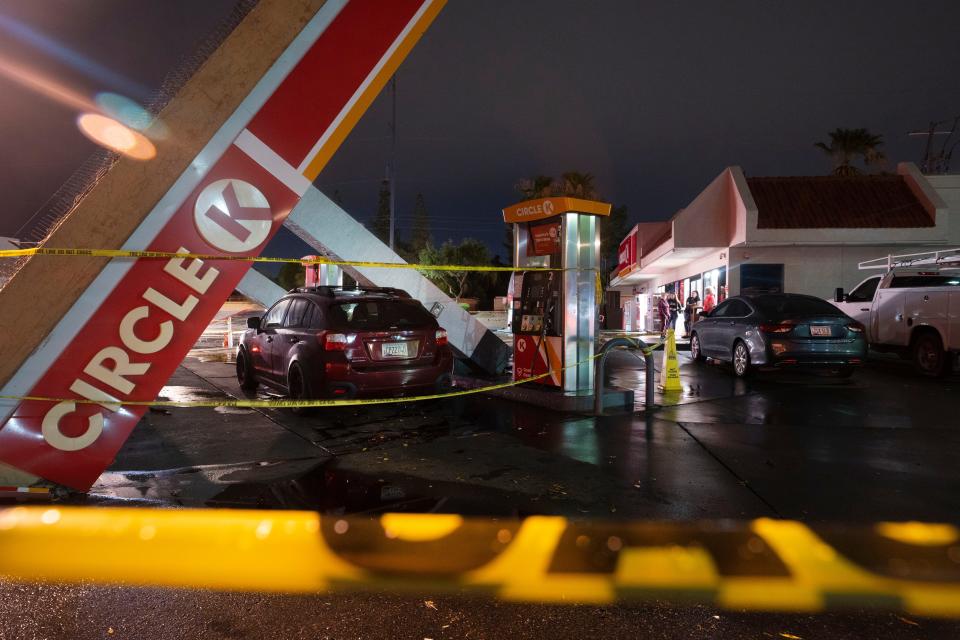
650,400
600,383
230,332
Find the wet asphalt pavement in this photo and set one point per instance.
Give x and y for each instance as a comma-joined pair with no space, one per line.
89,613
878,447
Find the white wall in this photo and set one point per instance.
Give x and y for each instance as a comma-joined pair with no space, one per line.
814,270
706,222
948,188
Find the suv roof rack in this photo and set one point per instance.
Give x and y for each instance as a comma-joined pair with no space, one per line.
941,258
330,291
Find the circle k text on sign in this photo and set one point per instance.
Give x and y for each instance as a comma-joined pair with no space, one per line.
232,216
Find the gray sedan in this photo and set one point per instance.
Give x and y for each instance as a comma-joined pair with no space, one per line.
779,330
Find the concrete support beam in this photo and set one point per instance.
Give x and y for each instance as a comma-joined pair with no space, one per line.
330,230
260,289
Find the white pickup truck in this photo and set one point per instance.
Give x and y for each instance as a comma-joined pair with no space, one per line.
912,309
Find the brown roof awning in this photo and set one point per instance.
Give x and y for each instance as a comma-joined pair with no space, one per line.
825,202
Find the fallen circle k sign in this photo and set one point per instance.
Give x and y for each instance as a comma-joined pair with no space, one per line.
232,215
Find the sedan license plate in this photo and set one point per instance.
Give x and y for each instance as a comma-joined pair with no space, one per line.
820,331
394,349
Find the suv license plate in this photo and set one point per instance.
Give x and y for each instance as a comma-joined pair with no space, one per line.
394,349
820,331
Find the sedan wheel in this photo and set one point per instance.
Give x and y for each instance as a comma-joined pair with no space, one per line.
741,359
696,353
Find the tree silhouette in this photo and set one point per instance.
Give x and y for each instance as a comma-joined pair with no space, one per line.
381,222
420,237
469,252
847,145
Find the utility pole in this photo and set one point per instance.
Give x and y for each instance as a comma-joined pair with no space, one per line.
392,166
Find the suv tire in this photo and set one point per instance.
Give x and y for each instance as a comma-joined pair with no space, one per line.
245,376
298,388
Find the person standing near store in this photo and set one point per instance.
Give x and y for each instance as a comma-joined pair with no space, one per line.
663,308
709,301
690,311
674,305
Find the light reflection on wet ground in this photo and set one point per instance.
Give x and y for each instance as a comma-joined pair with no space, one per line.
792,445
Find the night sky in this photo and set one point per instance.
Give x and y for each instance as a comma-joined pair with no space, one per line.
654,99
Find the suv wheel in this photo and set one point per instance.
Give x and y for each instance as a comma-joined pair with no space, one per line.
298,388
696,350
741,359
245,377
928,355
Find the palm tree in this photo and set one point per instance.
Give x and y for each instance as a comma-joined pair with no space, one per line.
571,183
579,185
536,187
846,145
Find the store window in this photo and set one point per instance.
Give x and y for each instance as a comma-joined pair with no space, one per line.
716,281
756,279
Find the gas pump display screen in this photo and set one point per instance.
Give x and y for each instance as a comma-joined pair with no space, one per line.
539,309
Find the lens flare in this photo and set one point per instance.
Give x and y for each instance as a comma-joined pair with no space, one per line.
116,136
91,68
130,113
44,85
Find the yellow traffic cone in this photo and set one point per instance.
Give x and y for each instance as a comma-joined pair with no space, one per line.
670,372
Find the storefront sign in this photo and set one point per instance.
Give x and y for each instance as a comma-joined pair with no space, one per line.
548,207
628,253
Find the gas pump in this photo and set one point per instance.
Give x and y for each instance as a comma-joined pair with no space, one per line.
537,327
322,274
553,311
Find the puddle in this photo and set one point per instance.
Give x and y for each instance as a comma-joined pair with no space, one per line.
235,411
228,356
308,484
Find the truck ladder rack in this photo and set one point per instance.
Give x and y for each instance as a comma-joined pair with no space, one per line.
943,258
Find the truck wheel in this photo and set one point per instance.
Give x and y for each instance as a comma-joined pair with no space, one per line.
929,358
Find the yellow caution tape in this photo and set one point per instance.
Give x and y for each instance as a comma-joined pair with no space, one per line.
764,564
123,253
296,404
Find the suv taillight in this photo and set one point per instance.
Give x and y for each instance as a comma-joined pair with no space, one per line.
334,342
441,337
783,327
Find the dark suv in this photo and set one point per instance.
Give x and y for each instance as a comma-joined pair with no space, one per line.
325,342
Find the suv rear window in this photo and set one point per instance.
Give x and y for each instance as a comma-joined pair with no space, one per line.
379,314
789,306
903,282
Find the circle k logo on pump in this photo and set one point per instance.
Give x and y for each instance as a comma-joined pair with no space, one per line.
232,215
548,207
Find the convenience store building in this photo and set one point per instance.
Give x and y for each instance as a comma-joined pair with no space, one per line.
803,234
